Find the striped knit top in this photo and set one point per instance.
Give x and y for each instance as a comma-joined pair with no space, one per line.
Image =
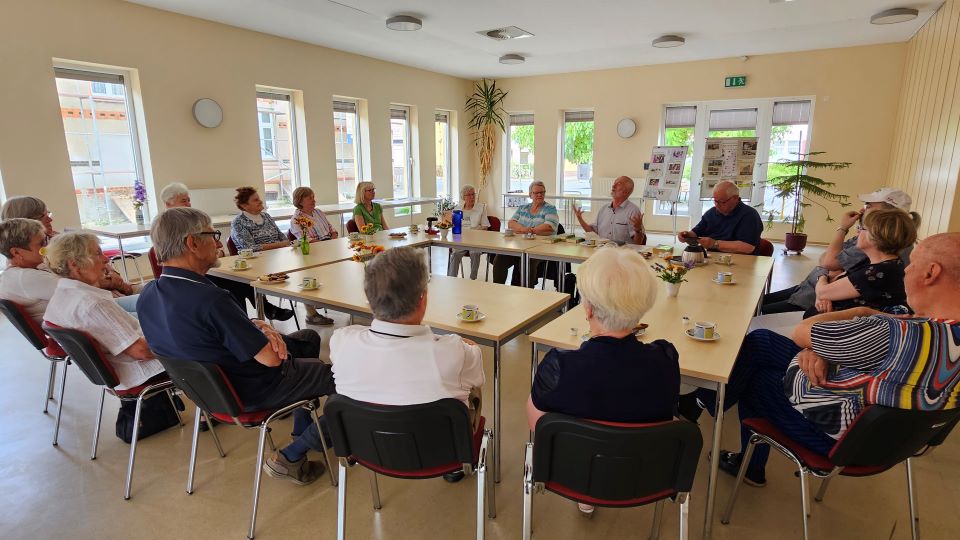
880,360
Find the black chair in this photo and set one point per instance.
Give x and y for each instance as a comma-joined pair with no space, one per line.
612,464
208,387
877,440
411,442
48,347
555,273
86,354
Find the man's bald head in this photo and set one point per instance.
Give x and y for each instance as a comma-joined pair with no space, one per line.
621,189
725,189
943,249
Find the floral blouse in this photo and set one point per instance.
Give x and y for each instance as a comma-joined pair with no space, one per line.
247,234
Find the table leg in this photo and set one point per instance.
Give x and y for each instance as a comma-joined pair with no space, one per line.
714,462
498,428
260,300
524,263
123,260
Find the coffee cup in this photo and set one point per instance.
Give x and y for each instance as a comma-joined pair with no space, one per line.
309,283
704,330
470,312
246,253
724,277
725,259
589,242
354,236
240,264
508,232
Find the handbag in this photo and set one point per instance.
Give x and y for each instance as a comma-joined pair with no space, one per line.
156,415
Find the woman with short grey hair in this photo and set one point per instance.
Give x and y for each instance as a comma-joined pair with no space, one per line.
474,217
29,208
175,195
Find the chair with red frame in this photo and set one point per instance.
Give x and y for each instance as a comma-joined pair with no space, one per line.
352,226
85,352
208,387
155,265
494,226
612,464
766,248
47,346
411,442
878,439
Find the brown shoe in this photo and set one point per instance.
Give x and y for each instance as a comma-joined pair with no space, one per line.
300,472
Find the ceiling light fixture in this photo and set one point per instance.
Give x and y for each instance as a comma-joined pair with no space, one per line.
404,23
665,42
512,59
895,15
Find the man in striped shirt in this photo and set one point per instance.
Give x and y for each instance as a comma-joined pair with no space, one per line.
813,386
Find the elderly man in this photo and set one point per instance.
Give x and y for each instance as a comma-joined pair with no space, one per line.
621,220
175,195
398,360
813,386
730,226
186,316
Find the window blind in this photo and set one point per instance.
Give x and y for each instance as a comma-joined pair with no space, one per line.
398,114
273,95
521,119
578,116
733,119
680,117
92,76
344,107
786,113
443,118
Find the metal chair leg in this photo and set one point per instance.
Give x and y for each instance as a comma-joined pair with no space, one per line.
657,519
823,489
725,519
804,502
256,480
174,404
528,492
273,447
341,499
133,447
684,500
193,449
914,513
491,492
63,385
481,496
213,433
296,320
96,428
375,491
51,381
323,443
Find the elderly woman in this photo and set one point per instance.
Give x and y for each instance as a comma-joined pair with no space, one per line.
612,376
306,202
368,212
78,303
30,208
474,217
538,217
175,195
877,281
253,228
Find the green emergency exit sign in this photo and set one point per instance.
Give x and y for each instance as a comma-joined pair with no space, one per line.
735,81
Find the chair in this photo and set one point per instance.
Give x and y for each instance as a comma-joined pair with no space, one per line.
411,442
877,440
290,236
352,226
494,226
48,347
86,354
113,255
546,267
232,250
208,387
154,263
232,247
766,248
612,464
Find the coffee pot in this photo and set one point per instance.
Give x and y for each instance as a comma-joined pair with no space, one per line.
694,253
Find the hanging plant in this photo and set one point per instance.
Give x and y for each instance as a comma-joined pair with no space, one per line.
486,109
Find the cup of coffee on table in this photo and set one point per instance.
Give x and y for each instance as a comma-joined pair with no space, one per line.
705,330
724,277
246,253
470,312
725,259
309,283
240,264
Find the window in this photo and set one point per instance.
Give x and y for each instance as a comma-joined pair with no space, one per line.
278,147
444,156
789,137
520,157
678,130
730,123
577,163
102,143
402,153
346,139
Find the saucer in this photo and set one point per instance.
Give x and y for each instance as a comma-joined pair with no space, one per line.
302,288
734,282
239,269
690,334
271,281
480,317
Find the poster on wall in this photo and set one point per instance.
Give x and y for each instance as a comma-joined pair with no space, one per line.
729,158
665,173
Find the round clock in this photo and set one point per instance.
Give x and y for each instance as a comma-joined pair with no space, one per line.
626,128
207,112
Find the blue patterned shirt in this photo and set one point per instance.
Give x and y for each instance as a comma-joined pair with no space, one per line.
546,214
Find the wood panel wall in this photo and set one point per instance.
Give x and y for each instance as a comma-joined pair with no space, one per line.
925,158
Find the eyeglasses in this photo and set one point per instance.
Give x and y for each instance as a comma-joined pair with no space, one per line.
724,201
538,192
43,215
370,189
215,234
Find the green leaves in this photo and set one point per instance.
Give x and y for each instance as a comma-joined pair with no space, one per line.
486,105
792,180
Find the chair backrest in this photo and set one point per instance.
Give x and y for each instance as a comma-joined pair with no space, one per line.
24,323
154,263
231,246
290,236
85,352
766,248
494,223
205,384
884,436
352,226
617,463
400,438
560,229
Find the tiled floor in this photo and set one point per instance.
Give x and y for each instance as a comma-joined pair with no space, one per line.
58,492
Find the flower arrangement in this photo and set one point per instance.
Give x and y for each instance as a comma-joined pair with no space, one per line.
444,225
444,205
672,273
304,222
368,228
139,194
363,251
306,225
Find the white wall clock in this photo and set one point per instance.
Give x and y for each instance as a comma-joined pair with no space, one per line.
626,128
207,112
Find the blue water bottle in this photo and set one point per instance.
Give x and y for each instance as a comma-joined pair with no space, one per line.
457,221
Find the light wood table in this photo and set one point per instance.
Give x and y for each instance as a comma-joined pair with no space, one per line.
509,310
703,364
492,242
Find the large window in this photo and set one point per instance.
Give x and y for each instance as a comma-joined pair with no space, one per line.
678,128
730,123
577,163
278,146
401,152
444,156
520,157
346,139
789,137
101,140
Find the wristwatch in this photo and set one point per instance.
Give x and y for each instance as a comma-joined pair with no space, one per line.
844,229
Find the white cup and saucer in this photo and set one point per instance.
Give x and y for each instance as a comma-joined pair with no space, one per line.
471,313
241,264
309,283
246,253
704,331
724,278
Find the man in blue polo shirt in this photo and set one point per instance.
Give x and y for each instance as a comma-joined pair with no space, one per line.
730,226
184,315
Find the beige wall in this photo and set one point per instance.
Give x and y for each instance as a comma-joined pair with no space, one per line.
857,91
178,60
925,158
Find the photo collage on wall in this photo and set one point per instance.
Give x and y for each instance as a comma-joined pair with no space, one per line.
729,158
666,170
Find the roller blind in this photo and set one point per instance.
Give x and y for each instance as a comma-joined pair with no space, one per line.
80,75
276,96
680,117
441,117
733,119
787,113
398,114
344,107
578,116
521,119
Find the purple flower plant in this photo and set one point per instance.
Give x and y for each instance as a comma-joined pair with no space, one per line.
139,193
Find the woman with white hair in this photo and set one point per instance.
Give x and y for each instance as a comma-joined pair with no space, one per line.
175,195
474,217
368,212
612,376
79,304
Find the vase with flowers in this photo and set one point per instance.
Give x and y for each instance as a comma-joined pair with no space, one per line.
368,230
139,198
306,225
672,275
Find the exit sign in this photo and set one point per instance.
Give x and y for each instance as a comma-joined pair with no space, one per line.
736,80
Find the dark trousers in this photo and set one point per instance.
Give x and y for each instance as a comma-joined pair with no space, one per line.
777,302
502,263
756,385
241,292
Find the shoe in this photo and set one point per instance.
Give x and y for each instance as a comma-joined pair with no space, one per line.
301,472
319,320
585,508
454,477
688,406
730,464
278,314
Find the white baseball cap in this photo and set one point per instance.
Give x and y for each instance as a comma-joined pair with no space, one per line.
891,196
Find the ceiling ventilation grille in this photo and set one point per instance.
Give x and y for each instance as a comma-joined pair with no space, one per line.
505,33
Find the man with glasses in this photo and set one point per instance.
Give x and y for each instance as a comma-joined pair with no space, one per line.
730,226
621,220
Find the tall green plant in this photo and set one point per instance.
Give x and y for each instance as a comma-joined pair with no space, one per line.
486,111
805,189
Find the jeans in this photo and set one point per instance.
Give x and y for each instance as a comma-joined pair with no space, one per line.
777,302
128,303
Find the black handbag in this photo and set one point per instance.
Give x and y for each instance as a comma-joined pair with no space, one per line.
156,415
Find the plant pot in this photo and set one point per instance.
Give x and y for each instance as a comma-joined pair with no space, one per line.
138,215
444,233
673,289
795,242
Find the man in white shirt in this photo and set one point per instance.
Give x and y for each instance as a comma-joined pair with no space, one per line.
620,220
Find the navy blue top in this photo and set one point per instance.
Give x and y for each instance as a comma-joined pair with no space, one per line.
612,379
743,224
185,316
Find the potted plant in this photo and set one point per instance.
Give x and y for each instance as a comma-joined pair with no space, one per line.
485,108
805,190
672,275
139,199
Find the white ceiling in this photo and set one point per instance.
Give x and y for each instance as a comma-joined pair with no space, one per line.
569,35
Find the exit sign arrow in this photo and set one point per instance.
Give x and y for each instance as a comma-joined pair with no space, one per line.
735,81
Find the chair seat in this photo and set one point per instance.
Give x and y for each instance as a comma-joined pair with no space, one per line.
248,419
571,494
137,390
806,456
54,349
431,472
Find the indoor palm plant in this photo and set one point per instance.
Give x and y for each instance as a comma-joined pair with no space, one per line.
485,108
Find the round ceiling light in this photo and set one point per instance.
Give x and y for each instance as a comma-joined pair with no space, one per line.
404,23
895,15
512,59
665,42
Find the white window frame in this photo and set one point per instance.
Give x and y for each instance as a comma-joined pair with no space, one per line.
358,146
507,145
447,151
561,160
408,150
288,96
